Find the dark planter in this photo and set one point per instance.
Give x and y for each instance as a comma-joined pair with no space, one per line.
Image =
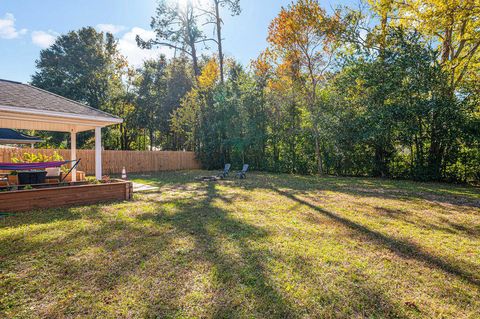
31,177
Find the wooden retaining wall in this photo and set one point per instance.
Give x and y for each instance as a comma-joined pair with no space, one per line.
114,161
26,200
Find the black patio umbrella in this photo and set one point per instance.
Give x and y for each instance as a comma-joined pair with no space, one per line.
8,136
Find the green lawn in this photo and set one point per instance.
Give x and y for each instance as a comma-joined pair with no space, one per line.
271,246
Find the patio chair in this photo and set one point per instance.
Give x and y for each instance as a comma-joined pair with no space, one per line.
54,174
243,173
225,172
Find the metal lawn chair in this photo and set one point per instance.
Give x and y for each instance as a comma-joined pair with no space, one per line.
225,172
243,173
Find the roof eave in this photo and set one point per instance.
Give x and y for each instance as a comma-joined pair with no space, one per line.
97,119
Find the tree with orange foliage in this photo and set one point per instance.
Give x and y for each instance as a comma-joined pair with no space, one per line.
302,37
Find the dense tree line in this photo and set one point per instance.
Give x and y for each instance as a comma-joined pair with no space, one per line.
388,90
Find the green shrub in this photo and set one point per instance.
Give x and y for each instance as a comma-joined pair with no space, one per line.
38,158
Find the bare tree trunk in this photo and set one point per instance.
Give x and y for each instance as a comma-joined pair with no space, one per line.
191,39
218,23
316,132
318,154
151,139
446,46
196,69
380,169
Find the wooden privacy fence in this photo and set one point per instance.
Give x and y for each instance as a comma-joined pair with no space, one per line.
114,161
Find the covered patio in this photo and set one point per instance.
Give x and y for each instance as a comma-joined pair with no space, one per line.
23,106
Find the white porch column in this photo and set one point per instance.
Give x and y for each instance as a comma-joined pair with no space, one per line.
73,153
98,153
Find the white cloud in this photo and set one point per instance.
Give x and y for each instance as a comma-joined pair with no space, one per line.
135,55
43,39
7,28
112,28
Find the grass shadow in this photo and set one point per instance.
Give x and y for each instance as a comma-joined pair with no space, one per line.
404,248
211,228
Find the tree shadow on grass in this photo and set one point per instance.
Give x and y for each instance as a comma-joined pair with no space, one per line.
47,216
211,228
243,282
461,196
443,224
41,224
468,230
404,248
356,295
89,263
468,197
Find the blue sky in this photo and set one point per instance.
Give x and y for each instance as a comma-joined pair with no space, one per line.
27,26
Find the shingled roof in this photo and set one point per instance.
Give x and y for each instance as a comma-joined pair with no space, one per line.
27,97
